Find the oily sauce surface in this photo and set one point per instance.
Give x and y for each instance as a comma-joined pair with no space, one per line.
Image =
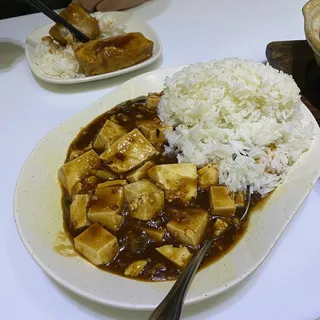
133,242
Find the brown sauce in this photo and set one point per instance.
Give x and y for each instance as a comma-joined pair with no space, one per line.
133,242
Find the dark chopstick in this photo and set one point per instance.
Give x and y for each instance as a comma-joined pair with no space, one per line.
37,4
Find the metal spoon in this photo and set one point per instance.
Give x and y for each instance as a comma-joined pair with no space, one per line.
171,306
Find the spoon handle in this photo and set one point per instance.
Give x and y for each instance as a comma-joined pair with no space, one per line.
171,306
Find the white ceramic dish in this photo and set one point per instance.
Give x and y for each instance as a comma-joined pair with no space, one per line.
39,218
133,23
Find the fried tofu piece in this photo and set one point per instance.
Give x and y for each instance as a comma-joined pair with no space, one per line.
76,15
113,53
135,268
208,176
128,152
109,133
106,206
153,100
78,211
112,183
141,172
189,226
154,234
154,131
76,170
221,203
220,226
179,256
178,181
145,200
97,244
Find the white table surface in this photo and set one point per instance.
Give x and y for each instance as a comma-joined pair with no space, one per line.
286,286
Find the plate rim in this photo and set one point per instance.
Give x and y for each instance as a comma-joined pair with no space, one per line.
130,306
55,80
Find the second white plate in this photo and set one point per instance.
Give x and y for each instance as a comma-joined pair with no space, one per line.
133,24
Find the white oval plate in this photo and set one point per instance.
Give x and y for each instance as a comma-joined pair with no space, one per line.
38,215
133,23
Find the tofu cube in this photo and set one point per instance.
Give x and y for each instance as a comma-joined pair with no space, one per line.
153,100
128,152
221,203
141,172
208,176
154,131
189,226
106,204
112,183
239,199
72,172
78,211
178,181
179,256
135,268
109,133
97,244
154,234
105,175
75,154
220,226
145,200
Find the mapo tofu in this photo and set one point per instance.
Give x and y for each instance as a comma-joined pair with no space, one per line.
144,199
109,133
106,206
128,152
179,181
97,245
132,209
189,225
76,170
154,131
78,211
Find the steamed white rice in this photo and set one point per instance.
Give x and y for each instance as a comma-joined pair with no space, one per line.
242,115
58,61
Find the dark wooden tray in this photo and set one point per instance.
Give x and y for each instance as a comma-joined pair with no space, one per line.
296,58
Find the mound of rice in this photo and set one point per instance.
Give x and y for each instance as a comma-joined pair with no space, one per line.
57,61
108,25
243,115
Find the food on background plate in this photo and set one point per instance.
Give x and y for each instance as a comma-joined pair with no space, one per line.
110,49
112,54
80,19
146,183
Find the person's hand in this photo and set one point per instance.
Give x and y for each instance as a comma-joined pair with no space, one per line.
108,5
